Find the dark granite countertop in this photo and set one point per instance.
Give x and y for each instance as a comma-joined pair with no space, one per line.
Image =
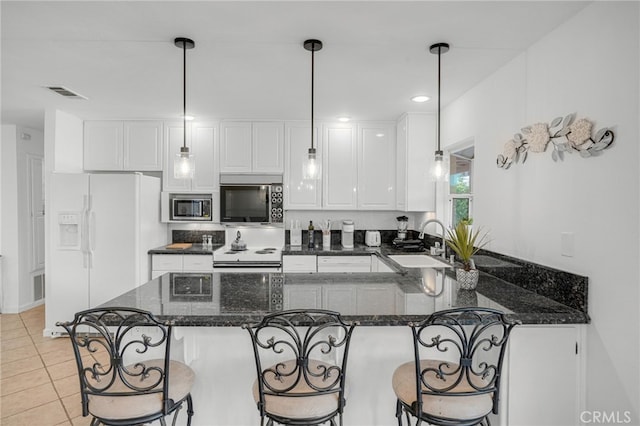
196,248
373,299
532,293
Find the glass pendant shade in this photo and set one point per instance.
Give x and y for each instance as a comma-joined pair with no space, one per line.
183,164
310,165
438,166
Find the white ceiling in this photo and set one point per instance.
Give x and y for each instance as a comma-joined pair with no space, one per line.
249,61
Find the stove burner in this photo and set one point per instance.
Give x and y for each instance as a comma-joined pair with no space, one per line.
230,252
270,248
265,251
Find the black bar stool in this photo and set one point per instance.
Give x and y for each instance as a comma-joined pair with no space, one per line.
126,374
455,376
301,364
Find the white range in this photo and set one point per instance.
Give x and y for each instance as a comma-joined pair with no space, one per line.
262,249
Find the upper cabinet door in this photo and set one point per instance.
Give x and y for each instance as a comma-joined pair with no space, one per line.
142,145
202,140
376,166
204,143
235,147
103,145
123,145
415,153
173,141
300,194
267,147
340,167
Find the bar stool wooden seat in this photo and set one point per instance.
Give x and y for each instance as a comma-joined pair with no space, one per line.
301,364
454,378
126,374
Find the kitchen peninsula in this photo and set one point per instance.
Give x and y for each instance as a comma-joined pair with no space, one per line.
209,308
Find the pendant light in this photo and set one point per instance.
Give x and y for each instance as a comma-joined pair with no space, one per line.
310,165
184,164
439,169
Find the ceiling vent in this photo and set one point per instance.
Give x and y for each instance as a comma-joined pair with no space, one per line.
63,91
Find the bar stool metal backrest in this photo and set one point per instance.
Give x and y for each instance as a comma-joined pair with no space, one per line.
301,364
455,376
126,374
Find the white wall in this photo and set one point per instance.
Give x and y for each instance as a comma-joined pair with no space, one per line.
64,148
15,244
589,66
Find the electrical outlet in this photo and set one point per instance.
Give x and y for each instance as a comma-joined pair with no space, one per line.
567,244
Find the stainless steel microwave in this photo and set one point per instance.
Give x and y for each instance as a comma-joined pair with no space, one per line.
258,203
191,207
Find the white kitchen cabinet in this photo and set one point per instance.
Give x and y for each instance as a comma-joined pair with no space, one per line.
340,298
415,150
372,299
197,263
122,145
344,264
202,140
252,147
299,193
299,263
544,365
339,167
163,263
302,296
376,152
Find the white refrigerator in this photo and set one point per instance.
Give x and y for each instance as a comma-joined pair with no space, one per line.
101,227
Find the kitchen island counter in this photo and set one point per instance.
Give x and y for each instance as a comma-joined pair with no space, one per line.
209,308
373,299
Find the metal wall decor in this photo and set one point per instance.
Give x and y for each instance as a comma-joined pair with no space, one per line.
569,136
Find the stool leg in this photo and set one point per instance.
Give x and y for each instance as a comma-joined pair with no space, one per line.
399,412
189,409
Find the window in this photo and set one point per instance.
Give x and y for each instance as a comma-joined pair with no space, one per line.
460,185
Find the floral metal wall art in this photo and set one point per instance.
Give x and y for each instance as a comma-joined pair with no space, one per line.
565,134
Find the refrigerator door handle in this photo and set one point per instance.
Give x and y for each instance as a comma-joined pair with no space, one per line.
92,232
91,225
84,232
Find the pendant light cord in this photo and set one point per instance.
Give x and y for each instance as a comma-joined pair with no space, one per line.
439,56
184,94
312,86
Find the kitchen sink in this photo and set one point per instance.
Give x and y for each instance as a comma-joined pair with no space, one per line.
418,261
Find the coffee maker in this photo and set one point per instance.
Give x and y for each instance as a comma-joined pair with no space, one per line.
348,229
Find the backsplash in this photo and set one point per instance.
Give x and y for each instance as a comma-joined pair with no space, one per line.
195,236
563,287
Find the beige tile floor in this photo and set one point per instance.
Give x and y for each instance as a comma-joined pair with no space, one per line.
38,376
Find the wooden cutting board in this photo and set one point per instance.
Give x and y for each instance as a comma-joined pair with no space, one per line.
179,246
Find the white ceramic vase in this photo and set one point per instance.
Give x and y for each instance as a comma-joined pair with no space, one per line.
468,280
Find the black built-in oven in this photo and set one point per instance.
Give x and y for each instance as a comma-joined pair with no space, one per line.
258,203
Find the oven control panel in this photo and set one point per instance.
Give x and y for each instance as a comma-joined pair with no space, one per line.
276,292
277,212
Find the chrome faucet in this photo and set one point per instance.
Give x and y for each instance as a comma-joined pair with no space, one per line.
438,250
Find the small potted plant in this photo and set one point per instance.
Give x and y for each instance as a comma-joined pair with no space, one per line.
466,242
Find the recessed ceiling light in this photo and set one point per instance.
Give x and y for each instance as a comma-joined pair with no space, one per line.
380,135
420,98
344,119
188,117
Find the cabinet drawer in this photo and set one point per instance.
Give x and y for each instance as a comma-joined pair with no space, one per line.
344,263
299,263
197,262
166,262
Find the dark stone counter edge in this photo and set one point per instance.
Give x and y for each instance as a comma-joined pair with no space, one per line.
381,320
196,248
